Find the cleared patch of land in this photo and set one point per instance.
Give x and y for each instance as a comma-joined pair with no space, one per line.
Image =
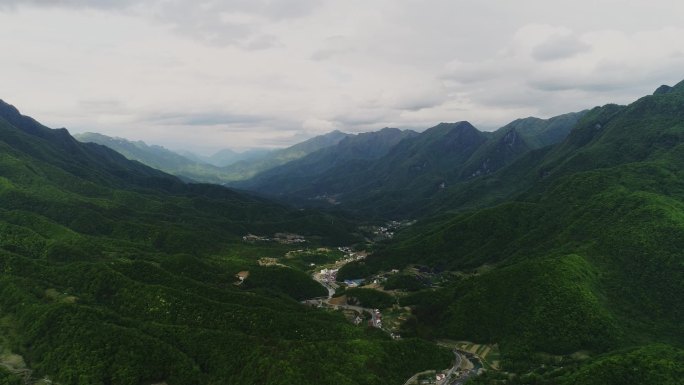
489,354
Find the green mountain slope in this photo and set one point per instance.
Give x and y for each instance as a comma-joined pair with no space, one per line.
586,257
114,273
159,157
414,172
220,168
247,169
353,148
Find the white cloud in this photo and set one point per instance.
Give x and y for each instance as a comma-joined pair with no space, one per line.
211,74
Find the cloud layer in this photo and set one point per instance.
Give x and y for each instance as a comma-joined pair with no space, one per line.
205,75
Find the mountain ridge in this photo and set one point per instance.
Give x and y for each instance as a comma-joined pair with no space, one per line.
416,169
582,257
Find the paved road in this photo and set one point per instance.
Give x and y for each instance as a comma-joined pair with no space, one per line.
457,364
331,286
324,302
477,365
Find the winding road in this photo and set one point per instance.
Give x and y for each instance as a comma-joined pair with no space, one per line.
448,380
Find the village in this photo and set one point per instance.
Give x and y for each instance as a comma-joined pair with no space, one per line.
324,265
282,238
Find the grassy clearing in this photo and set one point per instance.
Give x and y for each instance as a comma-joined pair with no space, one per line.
393,318
54,295
310,259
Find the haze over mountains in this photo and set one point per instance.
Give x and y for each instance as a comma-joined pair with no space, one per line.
383,173
556,243
221,167
415,170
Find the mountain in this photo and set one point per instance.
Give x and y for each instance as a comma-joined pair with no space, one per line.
226,157
579,271
220,168
247,169
414,171
158,157
353,148
117,273
223,158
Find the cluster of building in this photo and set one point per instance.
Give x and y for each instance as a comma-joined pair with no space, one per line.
384,232
352,256
255,238
284,238
437,379
376,319
329,275
354,282
288,238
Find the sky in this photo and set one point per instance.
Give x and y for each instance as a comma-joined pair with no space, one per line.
204,75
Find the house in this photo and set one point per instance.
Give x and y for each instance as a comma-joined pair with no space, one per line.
242,275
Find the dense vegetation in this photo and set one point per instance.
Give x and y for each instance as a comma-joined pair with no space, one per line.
294,283
586,257
369,298
396,174
353,271
114,273
7,378
651,364
408,282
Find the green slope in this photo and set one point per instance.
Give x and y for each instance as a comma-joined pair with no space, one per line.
586,257
248,169
159,157
292,176
114,273
412,174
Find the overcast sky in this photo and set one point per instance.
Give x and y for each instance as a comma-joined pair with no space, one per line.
205,75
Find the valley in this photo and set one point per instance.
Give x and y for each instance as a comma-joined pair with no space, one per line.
318,192
555,260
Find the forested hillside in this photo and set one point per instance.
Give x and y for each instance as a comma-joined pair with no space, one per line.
411,175
160,158
587,257
114,273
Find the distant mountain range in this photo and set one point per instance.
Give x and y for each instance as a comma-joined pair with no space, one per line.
247,169
407,171
221,167
387,173
226,157
159,157
349,150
